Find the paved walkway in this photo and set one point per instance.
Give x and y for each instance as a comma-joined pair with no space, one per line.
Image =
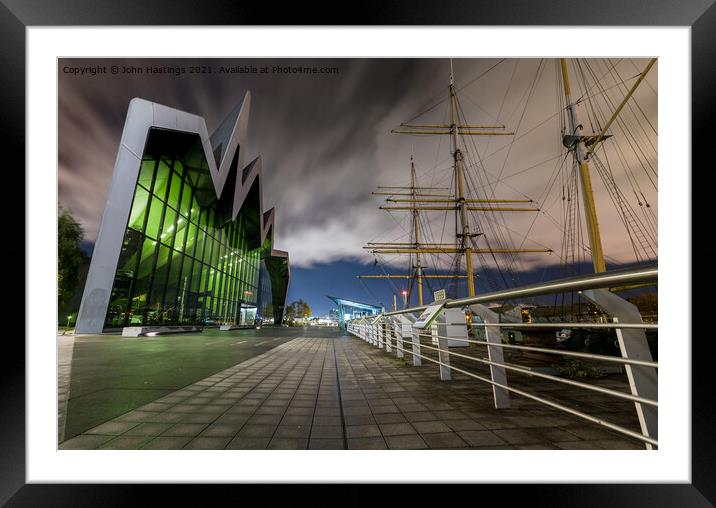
65,346
341,393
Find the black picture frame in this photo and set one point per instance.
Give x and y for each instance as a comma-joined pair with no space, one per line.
700,15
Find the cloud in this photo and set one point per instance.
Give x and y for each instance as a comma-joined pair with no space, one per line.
326,143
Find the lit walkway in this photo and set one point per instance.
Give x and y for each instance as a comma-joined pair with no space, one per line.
337,393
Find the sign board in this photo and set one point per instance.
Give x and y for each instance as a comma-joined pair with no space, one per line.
439,295
428,315
403,319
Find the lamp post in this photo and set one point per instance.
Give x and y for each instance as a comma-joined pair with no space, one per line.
68,320
405,298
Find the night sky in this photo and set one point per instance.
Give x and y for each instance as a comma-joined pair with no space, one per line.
326,144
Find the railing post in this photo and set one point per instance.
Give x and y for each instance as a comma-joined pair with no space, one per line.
498,374
379,334
643,381
387,332
398,327
403,328
415,335
439,331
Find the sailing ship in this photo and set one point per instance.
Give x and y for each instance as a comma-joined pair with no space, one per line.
481,231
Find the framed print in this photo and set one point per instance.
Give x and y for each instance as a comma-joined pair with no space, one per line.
249,219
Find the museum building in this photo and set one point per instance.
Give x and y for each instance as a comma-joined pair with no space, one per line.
184,239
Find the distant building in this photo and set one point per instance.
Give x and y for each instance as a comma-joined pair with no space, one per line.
322,321
350,309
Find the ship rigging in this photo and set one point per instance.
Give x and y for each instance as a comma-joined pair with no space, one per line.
479,214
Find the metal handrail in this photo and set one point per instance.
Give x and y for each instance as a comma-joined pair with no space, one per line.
585,416
569,325
591,356
528,372
612,278
383,333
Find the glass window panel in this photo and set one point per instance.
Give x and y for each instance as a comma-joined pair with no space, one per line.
146,173
161,274
195,277
161,182
219,285
123,279
200,241
186,274
179,168
173,280
155,218
139,208
141,286
180,234
146,262
174,191
191,240
208,247
131,246
204,276
210,284
169,229
185,206
215,254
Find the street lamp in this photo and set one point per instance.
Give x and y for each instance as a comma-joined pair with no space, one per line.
405,298
68,320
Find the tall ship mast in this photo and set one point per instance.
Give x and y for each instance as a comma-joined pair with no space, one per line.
474,209
465,244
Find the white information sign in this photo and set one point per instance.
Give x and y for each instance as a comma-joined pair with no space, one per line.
428,315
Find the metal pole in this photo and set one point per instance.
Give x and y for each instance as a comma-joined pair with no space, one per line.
612,278
581,158
416,226
457,157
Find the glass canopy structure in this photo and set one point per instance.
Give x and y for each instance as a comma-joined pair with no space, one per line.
350,309
184,239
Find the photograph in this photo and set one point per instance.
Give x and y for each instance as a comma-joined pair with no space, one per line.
434,253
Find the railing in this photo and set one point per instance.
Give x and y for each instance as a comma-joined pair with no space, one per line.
449,330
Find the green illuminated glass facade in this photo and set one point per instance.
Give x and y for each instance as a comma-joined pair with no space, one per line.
183,260
265,303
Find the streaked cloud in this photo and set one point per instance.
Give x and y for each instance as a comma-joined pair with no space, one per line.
325,142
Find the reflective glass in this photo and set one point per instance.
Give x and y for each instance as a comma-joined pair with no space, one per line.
200,270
